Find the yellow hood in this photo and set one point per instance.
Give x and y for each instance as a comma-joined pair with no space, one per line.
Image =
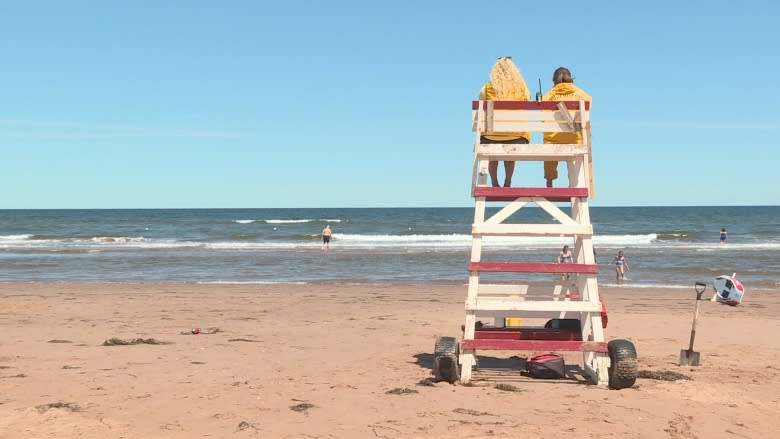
566,91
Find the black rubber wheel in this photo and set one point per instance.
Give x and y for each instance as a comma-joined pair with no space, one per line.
445,359
623,364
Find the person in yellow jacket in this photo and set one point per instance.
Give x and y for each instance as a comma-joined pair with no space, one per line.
506,84
563,90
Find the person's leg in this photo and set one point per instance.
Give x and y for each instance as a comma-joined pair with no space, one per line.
493,171
550,172
509,170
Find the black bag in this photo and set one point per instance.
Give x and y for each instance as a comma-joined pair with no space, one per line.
546,366
568,324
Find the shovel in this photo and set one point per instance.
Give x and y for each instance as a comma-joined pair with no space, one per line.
689,357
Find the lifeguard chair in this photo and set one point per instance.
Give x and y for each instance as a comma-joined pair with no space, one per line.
570,314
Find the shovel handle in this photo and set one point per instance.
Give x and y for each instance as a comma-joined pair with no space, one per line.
699,287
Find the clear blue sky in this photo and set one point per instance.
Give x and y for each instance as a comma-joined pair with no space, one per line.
117,104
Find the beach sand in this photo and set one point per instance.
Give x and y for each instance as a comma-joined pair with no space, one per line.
323,361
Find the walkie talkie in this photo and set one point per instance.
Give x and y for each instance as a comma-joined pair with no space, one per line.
539,93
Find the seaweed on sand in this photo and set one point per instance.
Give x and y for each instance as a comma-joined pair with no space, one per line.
664,375
58,405
508,388
119,342
401,391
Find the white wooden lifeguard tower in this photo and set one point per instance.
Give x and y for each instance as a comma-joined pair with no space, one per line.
576,312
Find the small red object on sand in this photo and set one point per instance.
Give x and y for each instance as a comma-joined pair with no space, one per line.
196,330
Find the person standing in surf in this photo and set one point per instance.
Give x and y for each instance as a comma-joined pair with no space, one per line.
621,266
723,235
326,235
565,257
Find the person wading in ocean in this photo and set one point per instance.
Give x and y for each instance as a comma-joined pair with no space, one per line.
326,235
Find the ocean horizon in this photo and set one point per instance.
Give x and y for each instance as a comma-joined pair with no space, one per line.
671,246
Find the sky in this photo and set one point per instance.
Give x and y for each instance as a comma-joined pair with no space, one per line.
222,104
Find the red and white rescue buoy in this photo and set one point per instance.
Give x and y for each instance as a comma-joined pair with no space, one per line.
728,290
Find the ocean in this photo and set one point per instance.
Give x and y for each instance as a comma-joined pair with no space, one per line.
665,246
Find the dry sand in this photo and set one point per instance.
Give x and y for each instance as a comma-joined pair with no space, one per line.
320,360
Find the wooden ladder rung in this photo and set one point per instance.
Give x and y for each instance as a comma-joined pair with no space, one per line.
532,267
513,193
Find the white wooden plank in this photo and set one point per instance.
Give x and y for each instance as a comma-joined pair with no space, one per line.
509,126
570,121
520,116
532,229
508,289
476,248
601,364
568,149
475,175
535,151
589,170
479,211
471,320
467,361
493,304
574,169
478,120
489,117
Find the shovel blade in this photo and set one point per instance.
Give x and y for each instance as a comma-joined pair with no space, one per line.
689,357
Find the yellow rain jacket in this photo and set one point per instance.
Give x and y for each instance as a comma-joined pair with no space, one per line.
563,91
488,94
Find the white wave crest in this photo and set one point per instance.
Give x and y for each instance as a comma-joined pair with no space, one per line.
463,240
228,245
14,238
457,242
117,239
288,221
624,240
244,221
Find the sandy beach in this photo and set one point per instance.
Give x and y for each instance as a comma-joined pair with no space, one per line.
323,360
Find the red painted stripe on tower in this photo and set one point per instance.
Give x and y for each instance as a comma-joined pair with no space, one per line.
529,105
534,345
511,193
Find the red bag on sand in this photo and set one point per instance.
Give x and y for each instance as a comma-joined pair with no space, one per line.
546,366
